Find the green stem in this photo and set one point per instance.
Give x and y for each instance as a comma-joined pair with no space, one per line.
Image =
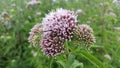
67,55
51,62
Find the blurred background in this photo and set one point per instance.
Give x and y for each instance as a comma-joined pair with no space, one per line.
17,17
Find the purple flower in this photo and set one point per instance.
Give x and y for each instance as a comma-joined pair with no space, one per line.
79,11
52,46
58,26
62,21
85,34
35,35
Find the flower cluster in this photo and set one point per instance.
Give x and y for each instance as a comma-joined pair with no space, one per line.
85,34
56,28
35,34
79,11
5,17
62,22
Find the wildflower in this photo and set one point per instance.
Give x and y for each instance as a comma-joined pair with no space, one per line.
58,26
33,3
116,1
35,35
107,56
54,0
62,21
85,34
79,11
34,53
52,46
112,14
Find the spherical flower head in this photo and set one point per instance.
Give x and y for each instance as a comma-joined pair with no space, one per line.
58,26
117,28
61,21
85,34
52,46
112,14
35,34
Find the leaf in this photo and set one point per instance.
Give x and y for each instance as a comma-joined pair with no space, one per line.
76,64
71,59
61,63
92,59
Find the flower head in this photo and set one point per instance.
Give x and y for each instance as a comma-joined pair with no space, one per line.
5,16
61,21
58,26
52,46
117,28
35,35
119,39
79,11
85,34
33,3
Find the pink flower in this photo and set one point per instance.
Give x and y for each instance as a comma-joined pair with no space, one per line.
85,34
107,56
58,26
62,21
34,37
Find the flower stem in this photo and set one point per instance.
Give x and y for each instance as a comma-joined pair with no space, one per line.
67,55
51,62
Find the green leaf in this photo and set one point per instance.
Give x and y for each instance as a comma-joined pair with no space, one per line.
61,63
71,59
92,59
76,64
